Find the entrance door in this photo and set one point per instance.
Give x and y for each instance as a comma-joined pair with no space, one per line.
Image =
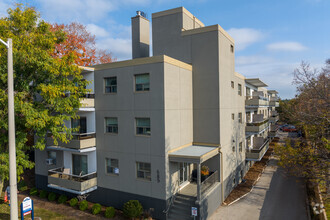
184,172
79,164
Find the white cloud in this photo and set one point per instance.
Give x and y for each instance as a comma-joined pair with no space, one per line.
119,47
97,30
244,37
252,60
276,74
4,5
286,46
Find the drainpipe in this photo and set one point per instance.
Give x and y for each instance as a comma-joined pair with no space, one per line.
221,176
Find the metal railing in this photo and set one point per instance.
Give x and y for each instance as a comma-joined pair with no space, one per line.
176,190
209,181
59,173
257,150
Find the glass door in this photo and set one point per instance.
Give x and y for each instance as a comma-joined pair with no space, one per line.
79,165
184,172
81,123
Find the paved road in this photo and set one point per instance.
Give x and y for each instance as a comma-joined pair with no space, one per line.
275,196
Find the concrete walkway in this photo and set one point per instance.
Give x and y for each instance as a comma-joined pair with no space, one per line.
275,196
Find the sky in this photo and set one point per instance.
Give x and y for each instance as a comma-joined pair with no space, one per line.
271,37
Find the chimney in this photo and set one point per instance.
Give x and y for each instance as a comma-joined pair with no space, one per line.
140,35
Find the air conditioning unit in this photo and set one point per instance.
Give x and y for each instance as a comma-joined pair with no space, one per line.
49,161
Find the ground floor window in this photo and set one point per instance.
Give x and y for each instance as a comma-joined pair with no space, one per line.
143,171
112,166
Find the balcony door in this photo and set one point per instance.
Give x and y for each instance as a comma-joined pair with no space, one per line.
81,123
79,164
184,173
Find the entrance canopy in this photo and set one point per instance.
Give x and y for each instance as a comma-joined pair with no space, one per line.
193,154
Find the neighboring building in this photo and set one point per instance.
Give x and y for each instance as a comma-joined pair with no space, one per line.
158,121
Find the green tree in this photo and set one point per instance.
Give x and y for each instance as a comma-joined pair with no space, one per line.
41,82
309,111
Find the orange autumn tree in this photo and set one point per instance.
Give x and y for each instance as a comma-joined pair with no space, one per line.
82,44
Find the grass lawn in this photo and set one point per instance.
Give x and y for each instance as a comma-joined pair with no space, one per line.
38,212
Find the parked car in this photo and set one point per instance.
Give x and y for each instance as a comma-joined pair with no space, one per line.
289,128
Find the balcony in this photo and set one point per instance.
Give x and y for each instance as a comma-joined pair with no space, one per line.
79,141
274,102
60,178
256,100
272,131
257,125
260,147
274,117
87,101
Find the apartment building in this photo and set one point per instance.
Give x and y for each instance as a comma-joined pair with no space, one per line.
153,125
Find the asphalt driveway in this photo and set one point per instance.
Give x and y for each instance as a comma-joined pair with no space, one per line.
275,196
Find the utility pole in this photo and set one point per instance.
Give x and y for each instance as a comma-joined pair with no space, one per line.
11,134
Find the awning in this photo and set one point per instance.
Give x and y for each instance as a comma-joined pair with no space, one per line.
256,82
272,91
193,154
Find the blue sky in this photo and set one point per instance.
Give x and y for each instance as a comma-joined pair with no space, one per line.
271,37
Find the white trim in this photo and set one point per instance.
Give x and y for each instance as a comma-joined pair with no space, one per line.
85,150
87,109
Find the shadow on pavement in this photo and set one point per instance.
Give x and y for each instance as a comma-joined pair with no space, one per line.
285,198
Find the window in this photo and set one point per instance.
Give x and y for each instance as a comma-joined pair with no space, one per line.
233,148
239,89
110,85
233,116
240,117
232,48
232,84
143,126
142,82
143,171
112,166
52,156
240,145
111,125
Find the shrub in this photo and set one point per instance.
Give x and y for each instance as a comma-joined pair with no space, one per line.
132,209
73,202
62,199
52,196
21,184
23,188
43,194
110,212
96,209
83,205
34,191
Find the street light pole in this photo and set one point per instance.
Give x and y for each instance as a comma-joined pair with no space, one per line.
11,134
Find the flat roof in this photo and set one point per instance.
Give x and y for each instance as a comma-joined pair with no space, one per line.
272,91
256,82
194,153
142,61
177,10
